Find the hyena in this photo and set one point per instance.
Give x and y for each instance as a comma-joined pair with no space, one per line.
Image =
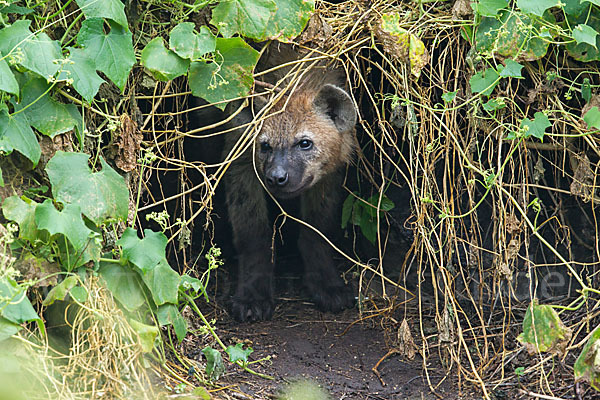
300,151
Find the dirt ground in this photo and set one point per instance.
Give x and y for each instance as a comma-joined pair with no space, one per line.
326,348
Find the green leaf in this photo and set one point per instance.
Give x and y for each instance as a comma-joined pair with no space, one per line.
248,18
144,253
229,76
449,96
67,222
1,179
124,283
60,291
112,54
8,83
587,366
79,294
494,104
512,69
484,82
537,127
164,64
163,283
238,353
8,328
14,304
16,134
188,44
146,333
586,90
43,112
543,331
513,35
168,314
188,282
37,53
290,19
536,7
109,9
16,209
592,118
585,34
82,69
201,393
368,227
15,9
347,210
489,8
101,195
214,363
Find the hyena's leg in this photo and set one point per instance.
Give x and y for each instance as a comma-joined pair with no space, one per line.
321,209
252,233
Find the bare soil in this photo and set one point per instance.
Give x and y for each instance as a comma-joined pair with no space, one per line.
330,350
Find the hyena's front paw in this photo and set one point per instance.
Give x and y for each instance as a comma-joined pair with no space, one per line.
252,309
333,298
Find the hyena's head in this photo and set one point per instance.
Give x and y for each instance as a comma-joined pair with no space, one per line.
312,137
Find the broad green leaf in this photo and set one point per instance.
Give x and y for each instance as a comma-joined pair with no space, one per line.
16,209
489,8
595,2
146,333
248,18
494,104
290,19
536,7
67,222
8,328
586,90
163,283
37,53
587,366
144,253
229,76
238,353
82,69
449,96
101,195
188,282
201,393
347,210
214,363
585,34
109,9
16,134
512,69
543,331
79,294
60,291
112,54
592,118
1,179
537,127
484,81
124,283
575,8
8,83
512,35
368,226
14,304
189,44
44,113
168,314
164,64
15,9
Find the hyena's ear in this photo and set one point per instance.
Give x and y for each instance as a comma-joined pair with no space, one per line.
336,104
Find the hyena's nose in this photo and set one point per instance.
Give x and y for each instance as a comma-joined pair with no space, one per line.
277,177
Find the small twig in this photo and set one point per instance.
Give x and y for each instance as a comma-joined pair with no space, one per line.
539,395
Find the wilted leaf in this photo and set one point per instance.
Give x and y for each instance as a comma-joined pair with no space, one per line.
146,333
543,331
406,343
587,366
214,363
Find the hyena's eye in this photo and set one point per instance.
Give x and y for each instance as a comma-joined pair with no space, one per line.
305,144
264,147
